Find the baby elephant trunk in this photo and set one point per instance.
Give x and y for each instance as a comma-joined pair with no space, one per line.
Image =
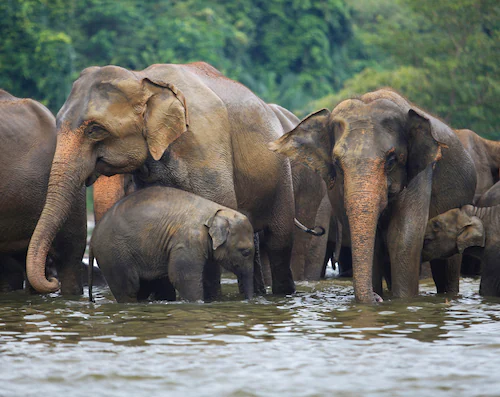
245,283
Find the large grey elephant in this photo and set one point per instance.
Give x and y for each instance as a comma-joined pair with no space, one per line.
27,145
185,126
160,238
391,165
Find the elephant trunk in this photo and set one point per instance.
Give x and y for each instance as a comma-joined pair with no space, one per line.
66,180
365,198
247,284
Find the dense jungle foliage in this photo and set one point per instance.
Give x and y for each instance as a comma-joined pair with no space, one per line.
302,54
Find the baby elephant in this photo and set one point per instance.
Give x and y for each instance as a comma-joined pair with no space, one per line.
470,228
158,240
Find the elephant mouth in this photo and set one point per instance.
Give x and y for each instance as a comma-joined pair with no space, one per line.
91,179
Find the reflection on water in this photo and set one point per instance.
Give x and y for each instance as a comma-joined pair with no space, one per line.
315,343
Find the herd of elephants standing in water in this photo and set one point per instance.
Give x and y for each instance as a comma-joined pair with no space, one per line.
193,171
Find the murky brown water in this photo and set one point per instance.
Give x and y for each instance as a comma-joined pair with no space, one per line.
316,343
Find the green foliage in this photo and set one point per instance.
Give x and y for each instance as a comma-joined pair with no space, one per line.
443,56
302,54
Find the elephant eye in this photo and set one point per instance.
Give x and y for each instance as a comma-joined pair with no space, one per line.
96,132
436,225
391,161
245,252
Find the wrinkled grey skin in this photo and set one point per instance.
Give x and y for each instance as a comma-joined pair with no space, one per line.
309,190
471,230
389,165
471,265
491,197
159,238
27,144
485,154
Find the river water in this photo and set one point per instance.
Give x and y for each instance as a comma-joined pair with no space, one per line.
317,342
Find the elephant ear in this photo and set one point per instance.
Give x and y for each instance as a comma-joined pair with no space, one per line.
423,145
311,143
471,232
166,116
218,229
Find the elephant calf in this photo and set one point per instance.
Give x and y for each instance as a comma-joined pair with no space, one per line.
158,240
475,229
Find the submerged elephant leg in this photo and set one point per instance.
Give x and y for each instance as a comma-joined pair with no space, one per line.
11,274
186,273
446,274
211,281
314,263
279,251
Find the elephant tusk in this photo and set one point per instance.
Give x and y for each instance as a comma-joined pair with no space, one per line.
314,232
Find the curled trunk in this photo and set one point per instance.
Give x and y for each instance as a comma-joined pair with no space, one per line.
66,180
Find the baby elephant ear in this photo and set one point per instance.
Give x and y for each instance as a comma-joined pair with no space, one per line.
166,116
218,229
471,235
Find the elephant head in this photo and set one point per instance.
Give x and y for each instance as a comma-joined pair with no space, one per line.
452,232
379,150
233,245
111,120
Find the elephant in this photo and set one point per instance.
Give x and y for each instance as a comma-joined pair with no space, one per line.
161,238
469,229
486,156
27,144
184,126
390,165
308,190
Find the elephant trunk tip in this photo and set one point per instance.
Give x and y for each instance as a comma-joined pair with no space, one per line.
46,286
319,232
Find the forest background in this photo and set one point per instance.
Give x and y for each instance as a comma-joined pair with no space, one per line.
302,54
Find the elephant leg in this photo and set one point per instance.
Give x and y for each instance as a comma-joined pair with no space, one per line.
186,272
123,279
69,247
345,262
279,251
314,268
446,274
211,281
157,289
266,265
406,231
11,274
378,265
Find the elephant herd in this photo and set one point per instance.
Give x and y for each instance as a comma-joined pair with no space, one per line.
193,171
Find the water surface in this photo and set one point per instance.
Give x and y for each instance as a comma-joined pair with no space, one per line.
315,343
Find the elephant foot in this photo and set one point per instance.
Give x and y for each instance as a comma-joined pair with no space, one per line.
377,298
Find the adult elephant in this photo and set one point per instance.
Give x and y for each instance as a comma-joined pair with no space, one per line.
486,157
309,189
392,165
27,145
185,126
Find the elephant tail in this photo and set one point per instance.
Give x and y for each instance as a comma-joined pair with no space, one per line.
91,272
312,231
